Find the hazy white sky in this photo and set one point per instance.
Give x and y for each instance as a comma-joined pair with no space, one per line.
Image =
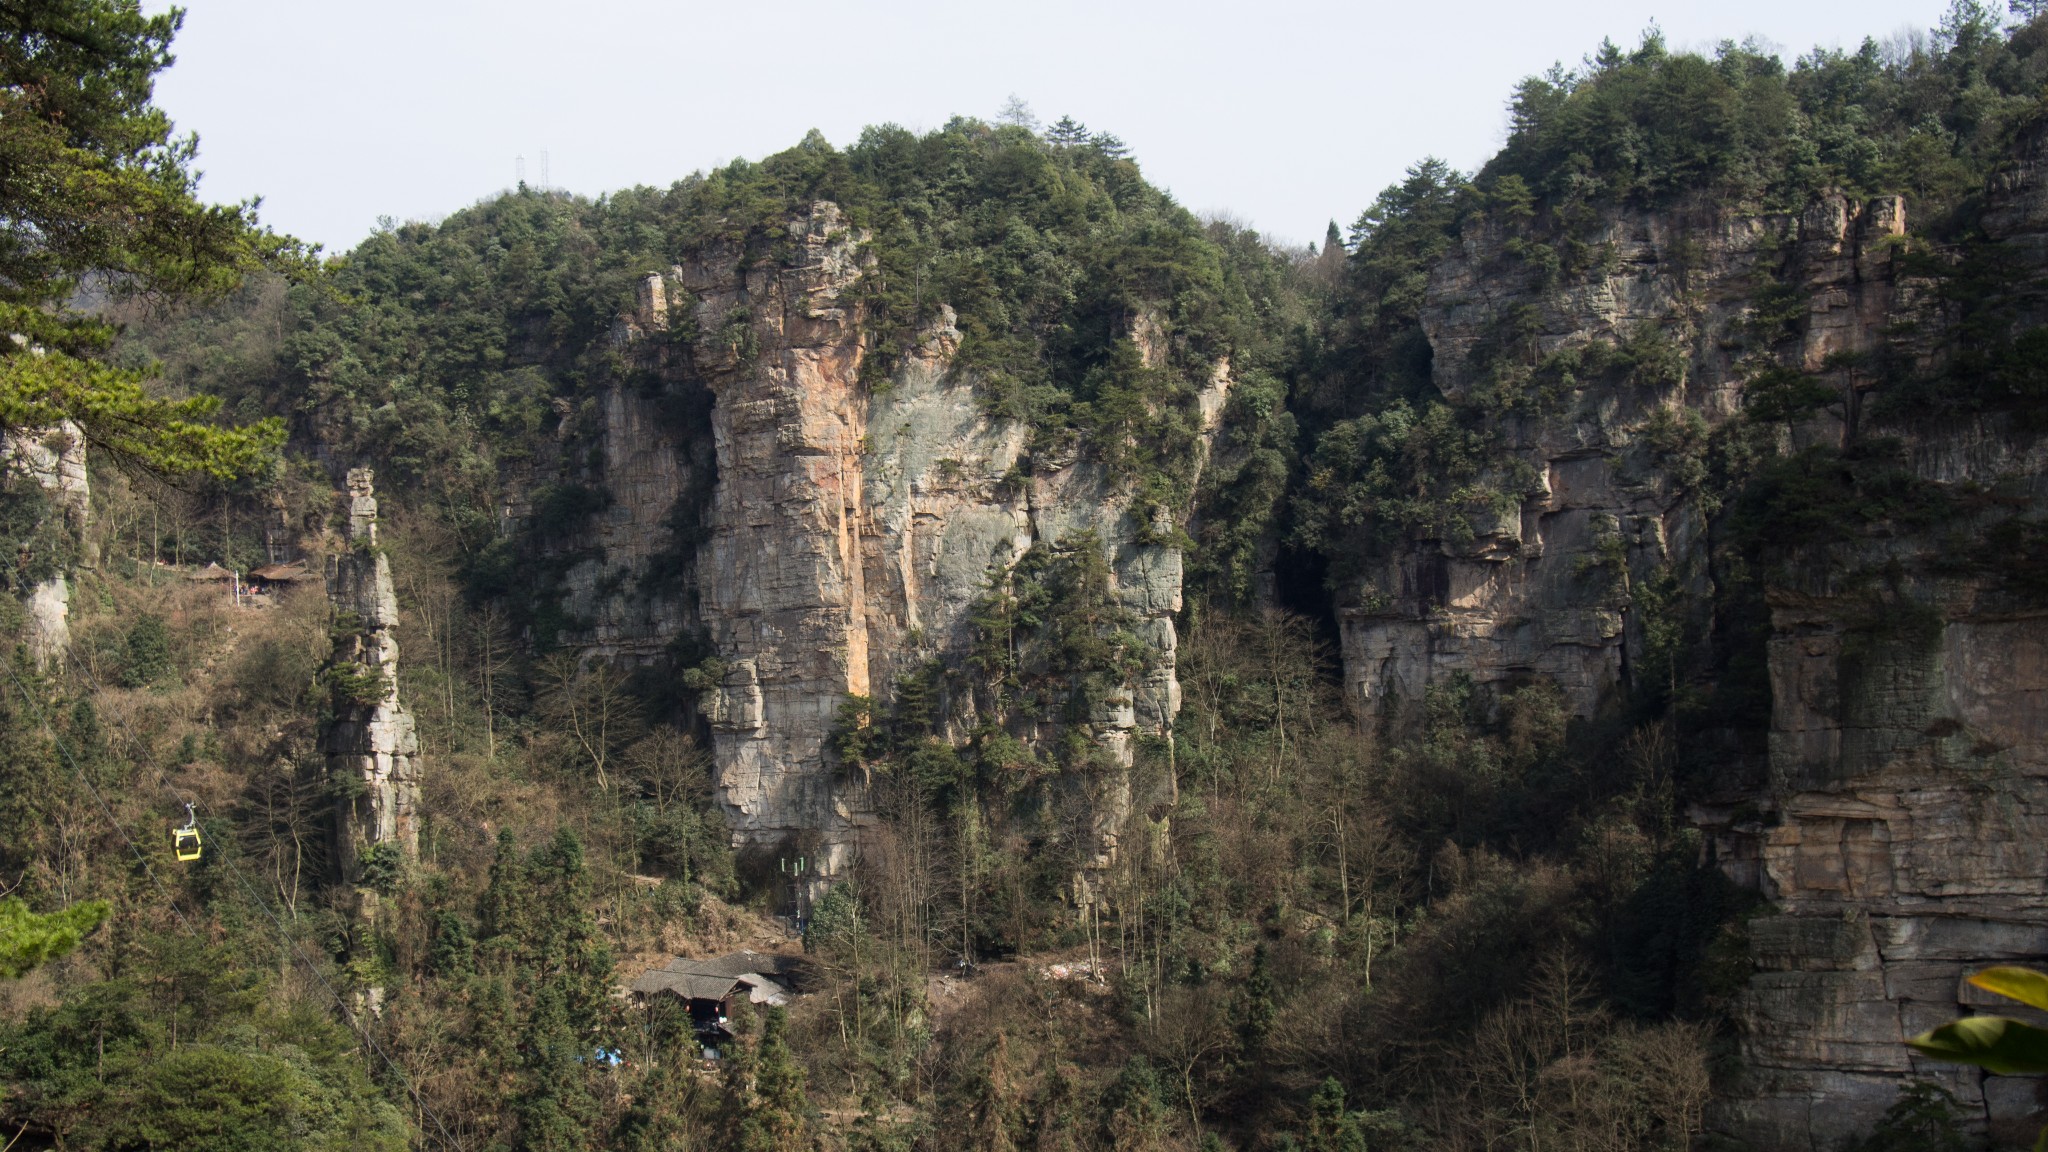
1285,113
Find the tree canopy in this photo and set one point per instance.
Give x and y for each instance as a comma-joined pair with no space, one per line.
96,193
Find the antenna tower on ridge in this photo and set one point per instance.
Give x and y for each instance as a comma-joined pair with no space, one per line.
519,169
544,185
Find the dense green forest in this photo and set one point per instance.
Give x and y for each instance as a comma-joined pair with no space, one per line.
1494,930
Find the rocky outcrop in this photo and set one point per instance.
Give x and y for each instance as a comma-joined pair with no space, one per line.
950,507
371,744
1589,506
780,588
54,459
1900,835
1903,840
835,536
1903,845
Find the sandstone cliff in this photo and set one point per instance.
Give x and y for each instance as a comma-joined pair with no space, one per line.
54,459
820,538
371,744
1901,837
1895,819
1536,590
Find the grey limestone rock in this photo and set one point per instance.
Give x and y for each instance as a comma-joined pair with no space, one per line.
371,742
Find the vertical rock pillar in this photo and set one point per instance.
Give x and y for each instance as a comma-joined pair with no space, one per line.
372,749
55,459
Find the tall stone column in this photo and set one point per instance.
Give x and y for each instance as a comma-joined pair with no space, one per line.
372,749
55,459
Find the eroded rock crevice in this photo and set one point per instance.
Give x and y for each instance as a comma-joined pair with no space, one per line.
847,532
1898,811
372,747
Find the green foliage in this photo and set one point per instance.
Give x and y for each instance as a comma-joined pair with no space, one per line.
1925,1118
454,355
1372,348
1134,1115
101,1068
203,1096
1994,354
1256,1025
835,920
149,652
779,1117
1054,642
1995,1043
1247,485
562,509
381,868
99,188
1378,477
679,831
1647,125
355,684
29,939
1779,394
1330,1127
39,544
1492,931
1823,496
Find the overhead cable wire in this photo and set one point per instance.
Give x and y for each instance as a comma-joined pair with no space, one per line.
143,760
106,809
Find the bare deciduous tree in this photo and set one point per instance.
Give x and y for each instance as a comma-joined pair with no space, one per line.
590,701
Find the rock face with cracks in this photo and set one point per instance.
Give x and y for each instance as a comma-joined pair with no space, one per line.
371,744
54,459
1588,505
1903,840
820,539
1900,835
807,539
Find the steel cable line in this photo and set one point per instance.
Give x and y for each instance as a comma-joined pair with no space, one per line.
107,810
362,1033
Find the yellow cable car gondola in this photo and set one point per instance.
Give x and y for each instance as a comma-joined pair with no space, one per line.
185,841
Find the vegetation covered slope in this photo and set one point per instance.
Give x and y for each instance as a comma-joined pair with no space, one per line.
1491,931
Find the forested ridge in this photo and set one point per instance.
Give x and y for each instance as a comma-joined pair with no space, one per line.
1494,925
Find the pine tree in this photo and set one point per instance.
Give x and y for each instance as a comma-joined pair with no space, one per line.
1067,133
96,187
1257,1022
1330,1127
556,1107
780,1108
1135,1117
736,1082
502,912
1058,1124
29,939
995,1100
661,1116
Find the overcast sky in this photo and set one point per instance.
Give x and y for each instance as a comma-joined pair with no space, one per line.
1283,113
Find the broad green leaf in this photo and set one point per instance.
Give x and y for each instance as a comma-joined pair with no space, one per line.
2022,984
2007,1047
2041,1141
